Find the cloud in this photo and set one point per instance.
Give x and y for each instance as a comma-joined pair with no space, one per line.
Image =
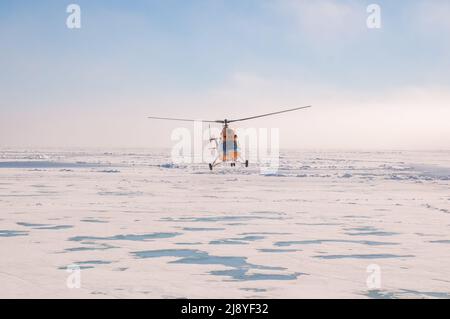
324,23
431,16
106,101
400,118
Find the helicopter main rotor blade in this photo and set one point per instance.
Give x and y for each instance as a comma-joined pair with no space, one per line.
269,114
184,120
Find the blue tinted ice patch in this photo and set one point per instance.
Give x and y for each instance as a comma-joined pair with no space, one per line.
171,165
31,225
56,227
12,233
94,221
130,237
372,233
93,262
432,172
321,241
44,226
220,218
267,213
379,294
86,264
227,242
355,216
363,256
242,275
319,224
75,249
236,241
167,253
202,229
253,289
362,229
91,246
239,264
406,293
120,193
430,294
264,233
46,164
270,250
440,241
112,171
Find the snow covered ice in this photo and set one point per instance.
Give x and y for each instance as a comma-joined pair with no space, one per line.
140,226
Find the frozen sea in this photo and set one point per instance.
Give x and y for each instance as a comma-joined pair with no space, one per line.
139,226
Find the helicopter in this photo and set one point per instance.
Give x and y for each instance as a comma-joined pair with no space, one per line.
227,144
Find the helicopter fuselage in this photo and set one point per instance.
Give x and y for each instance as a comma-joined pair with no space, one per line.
228,147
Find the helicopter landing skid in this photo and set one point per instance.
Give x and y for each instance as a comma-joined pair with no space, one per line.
233,163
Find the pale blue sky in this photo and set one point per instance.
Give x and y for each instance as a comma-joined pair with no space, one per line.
387,88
